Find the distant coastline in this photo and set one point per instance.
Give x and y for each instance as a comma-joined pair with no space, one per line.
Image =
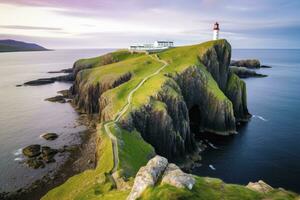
19,46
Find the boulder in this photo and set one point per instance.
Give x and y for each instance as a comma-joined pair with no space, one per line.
260,186
147,176
176,177
50,136
32,150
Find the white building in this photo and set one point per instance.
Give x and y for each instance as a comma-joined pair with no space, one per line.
156,46
163,44
216,31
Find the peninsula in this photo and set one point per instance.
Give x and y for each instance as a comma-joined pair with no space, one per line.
14,46
155,104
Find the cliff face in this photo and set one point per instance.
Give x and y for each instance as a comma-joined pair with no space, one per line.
236,92
86,93
217,60
167,127
164,122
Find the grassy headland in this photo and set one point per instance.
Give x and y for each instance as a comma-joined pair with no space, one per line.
157,118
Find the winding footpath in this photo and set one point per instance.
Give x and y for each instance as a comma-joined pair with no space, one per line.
123,111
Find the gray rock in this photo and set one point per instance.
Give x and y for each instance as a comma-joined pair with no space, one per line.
147,176
260,186
174,176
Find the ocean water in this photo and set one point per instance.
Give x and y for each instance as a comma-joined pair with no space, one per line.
268,147
24,115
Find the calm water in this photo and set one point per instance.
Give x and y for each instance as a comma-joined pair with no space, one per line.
268,147
24,115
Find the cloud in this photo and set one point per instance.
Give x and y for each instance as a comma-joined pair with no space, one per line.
87,23
30,27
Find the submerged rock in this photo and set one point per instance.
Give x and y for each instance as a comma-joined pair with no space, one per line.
41,81
32,150
50,136
58,98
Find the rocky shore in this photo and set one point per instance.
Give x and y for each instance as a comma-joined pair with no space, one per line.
78,159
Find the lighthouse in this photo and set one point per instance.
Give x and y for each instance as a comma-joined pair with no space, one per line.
216,31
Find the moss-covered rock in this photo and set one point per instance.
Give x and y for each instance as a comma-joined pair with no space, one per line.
32,150
49,136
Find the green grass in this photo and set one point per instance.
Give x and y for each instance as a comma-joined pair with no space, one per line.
90,183
213,189
204,189
116,56
134,152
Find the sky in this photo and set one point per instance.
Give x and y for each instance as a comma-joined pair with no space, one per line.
69,24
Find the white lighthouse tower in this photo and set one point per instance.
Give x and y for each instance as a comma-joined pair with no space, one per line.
216,31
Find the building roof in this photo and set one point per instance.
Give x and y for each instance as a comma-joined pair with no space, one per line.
164,41
216,26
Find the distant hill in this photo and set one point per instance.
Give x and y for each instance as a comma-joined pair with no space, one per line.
13,45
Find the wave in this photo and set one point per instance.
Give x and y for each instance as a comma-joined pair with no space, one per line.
212,167
19,159
18,152
211,144
260,117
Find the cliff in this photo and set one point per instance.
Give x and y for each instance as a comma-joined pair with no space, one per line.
152,102
195,88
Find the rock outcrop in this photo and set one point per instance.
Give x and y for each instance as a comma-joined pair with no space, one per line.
158,167
236,92
147,176
173,175
87,93
249,63
217,59
260,186
243,72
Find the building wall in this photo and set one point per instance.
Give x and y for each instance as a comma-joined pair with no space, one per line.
215,35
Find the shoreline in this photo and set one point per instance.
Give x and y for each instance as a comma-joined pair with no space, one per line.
81,158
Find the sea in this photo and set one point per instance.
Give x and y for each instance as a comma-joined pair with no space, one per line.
267,147
25,115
